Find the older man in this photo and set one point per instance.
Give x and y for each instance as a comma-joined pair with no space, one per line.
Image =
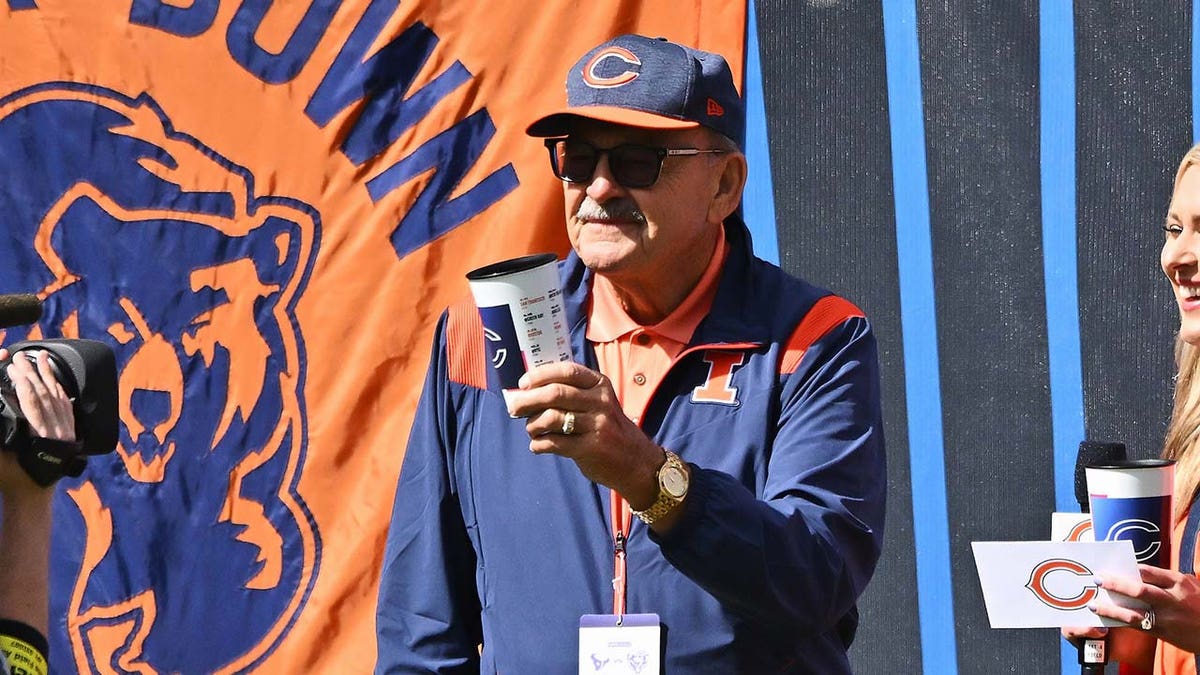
732,408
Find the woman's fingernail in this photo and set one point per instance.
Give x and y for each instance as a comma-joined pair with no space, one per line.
1102,630
1091,607
1098,581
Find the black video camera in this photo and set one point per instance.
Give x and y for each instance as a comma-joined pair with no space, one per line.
87,372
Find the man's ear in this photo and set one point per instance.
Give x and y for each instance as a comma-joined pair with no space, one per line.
729,188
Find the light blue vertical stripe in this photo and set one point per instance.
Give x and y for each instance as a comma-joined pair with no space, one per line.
918,320
758,200
1059,257
1057,89
1195,72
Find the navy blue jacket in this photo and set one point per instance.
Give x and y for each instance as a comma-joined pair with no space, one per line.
490,544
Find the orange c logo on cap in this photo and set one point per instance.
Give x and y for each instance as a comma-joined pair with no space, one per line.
1037,584
591,79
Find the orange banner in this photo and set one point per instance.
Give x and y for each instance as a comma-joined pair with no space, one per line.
263,208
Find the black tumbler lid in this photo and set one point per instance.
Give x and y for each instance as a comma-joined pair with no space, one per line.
499,269
1133,464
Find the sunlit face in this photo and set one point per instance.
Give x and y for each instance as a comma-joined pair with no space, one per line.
1181,252
637,236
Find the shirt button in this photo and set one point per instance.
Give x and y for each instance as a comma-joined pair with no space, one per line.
639,379
642,339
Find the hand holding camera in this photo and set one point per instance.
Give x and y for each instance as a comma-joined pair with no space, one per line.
57,405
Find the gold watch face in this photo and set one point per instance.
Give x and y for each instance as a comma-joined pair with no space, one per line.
673,481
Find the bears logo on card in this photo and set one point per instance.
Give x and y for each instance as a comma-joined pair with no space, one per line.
1062,584
139,235
1081,532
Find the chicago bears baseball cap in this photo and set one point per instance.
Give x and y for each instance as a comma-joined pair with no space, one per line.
650,83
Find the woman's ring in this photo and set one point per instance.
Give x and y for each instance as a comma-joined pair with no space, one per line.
568,426
1148,620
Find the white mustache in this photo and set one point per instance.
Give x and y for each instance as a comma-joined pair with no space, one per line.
616,209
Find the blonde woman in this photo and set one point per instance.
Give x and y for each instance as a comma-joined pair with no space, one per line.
1166,639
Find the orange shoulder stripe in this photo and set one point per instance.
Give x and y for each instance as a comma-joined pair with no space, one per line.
827,313
466,354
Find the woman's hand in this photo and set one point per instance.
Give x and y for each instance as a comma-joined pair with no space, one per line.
1174,600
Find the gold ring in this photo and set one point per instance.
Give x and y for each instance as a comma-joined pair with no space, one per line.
568,426
1148,620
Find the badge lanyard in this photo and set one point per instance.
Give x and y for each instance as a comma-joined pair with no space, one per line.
620,517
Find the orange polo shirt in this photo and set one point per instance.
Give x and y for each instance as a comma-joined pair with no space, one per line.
634,357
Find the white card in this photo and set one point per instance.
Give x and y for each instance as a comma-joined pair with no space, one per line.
628,648
1066,526
1046,584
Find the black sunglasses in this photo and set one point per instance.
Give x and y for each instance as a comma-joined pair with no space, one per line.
632,165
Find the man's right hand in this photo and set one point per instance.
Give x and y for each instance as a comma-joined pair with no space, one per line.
608,447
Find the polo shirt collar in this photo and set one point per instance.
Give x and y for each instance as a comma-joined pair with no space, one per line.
608,320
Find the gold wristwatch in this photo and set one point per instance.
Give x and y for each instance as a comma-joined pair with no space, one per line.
672,488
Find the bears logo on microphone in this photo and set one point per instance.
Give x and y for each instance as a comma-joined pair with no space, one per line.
141,235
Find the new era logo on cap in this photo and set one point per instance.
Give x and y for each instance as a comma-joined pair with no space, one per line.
649,83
